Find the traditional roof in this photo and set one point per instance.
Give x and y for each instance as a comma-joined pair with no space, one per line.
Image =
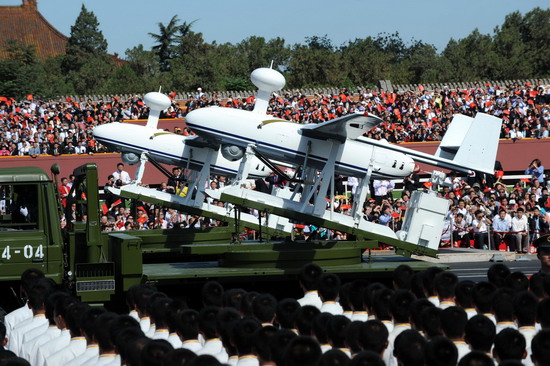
26,25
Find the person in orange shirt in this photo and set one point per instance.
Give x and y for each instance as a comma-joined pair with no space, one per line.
64,190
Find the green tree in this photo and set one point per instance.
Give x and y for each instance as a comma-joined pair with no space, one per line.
87,64
125,80
86,39
535,33
512,50
165,42
196,66
315,64
19,71
365,62
422,63
144,63
472,58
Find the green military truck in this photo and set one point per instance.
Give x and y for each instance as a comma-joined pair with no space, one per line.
96,265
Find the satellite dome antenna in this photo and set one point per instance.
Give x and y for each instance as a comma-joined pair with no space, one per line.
267,80
157,102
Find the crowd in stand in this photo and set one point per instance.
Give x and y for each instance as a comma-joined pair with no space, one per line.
37,127
424,318
483,212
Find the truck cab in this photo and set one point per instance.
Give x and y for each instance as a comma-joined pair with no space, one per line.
30,224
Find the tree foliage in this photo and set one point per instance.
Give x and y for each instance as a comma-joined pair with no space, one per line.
182,60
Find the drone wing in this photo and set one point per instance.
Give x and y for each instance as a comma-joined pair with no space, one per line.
350,126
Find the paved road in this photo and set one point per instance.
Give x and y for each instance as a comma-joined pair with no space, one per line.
477,271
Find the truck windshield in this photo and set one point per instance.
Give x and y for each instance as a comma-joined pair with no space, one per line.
18,207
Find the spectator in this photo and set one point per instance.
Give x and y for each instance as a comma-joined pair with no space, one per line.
520,231
536,170
121,174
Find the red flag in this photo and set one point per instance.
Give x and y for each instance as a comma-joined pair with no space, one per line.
116,203
395,214
29,97
142,209
104,208
3,99
68,100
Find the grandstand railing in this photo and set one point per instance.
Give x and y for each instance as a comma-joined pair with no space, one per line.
384,84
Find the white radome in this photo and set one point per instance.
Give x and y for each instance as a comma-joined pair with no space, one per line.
157,101
268,80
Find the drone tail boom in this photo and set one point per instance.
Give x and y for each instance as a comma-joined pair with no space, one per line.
472,142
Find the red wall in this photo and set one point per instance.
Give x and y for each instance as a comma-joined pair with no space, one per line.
513,156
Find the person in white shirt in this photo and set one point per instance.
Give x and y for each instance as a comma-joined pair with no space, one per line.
188,330
77,345
479,226
509,345
54,345
38,293
107,352
243,339
121,174
382,188
520,232
80,148
88,331
463,297
444,286
408,339
480,333
525,310
18,315
503,308
28,277
286,312
309,278
159,312
400,308
336,330
329,287
208,328
453,324
32,341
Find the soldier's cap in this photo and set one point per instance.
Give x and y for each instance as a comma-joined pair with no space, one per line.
542,242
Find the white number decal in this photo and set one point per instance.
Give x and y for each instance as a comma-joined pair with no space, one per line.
39,252
6,253
27,251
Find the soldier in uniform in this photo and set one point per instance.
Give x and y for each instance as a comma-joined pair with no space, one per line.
543,252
